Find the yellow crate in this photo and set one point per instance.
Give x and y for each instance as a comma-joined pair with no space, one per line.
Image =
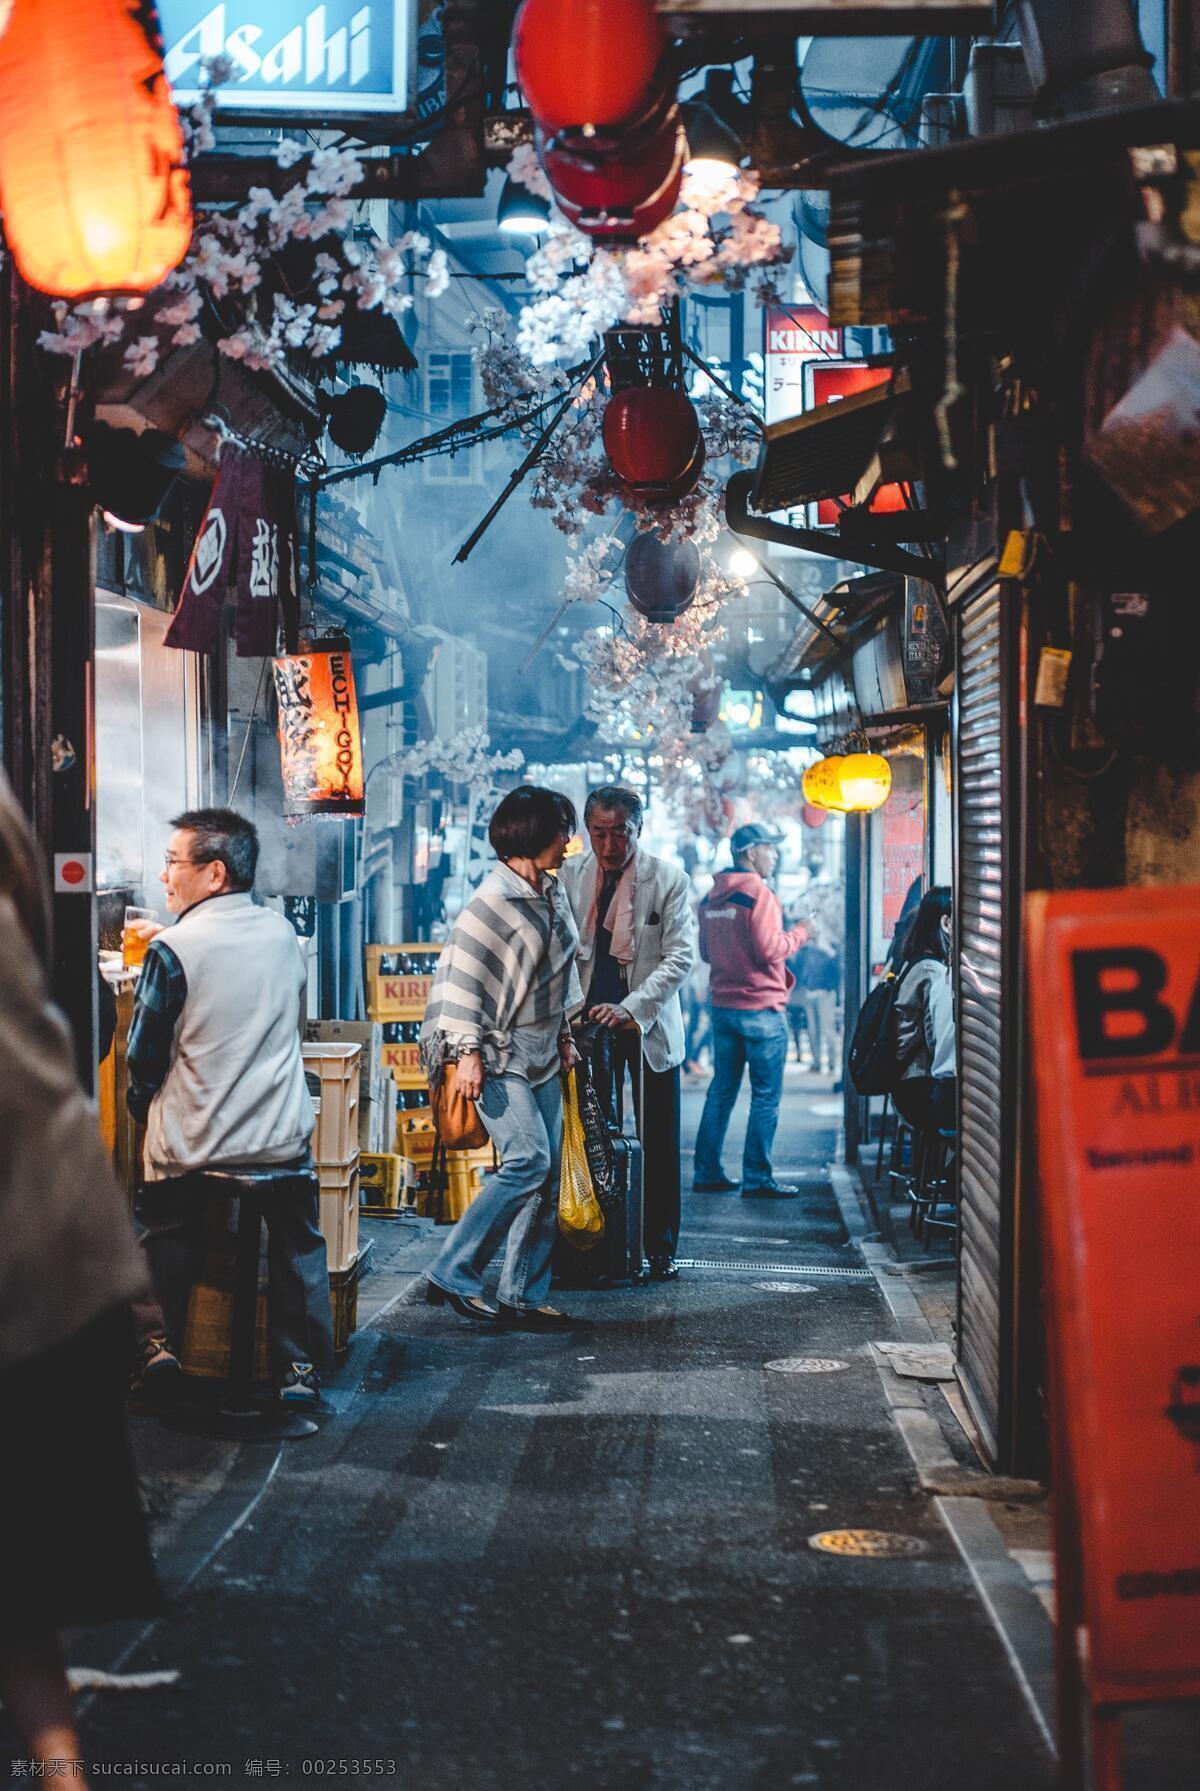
415,1134
379,1181
403,1064
396,997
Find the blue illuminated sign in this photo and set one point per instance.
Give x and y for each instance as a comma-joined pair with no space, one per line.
345,56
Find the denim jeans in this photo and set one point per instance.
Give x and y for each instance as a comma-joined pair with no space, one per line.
520,1199
758,1038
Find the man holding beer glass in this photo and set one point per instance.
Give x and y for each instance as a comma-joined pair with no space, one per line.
216,1075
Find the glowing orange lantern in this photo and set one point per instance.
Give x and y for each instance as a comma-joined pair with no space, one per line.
820,783
586,62
864,782
320,741
95,195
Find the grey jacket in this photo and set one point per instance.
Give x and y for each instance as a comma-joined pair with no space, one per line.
925,1020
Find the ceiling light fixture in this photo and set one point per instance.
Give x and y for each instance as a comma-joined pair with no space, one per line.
521,211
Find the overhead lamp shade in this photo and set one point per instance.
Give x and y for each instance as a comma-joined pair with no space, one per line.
821,783
129,474
865,782
586,62
320,740
651,434
522,212
661,577
95,194
711,143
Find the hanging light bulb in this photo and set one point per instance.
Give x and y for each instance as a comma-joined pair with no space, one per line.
93,185
714,152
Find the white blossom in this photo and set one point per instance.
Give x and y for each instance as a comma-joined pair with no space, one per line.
437,274
141,356
288,152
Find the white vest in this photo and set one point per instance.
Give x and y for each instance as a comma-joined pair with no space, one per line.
235,1089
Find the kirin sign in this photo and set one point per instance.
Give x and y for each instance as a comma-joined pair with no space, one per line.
343,57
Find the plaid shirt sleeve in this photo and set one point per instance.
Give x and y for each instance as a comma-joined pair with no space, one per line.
161,991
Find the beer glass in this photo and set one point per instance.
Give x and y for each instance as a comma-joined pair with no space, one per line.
133,940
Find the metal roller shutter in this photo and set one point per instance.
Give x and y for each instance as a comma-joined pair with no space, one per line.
985,1009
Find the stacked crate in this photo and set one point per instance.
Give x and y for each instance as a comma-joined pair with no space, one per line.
399,978
335,1145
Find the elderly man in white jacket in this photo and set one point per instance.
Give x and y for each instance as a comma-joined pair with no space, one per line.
637,947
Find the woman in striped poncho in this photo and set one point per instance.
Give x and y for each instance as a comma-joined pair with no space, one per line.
498,1020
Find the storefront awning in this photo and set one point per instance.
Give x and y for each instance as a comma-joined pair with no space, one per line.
839,618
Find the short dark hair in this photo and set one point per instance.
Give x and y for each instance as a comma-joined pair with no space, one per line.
614,796
924,936
529,819
222,836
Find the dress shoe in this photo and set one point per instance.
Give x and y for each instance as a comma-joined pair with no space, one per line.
541,1318
664,1268
771,1191
722,1185
478,1311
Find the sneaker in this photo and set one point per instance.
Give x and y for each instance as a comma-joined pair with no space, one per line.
300,1385
158,1371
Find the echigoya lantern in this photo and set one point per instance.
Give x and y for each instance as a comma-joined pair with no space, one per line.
95,194
864,782
320,740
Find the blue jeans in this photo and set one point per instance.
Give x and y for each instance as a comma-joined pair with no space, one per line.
519,1201
757,1037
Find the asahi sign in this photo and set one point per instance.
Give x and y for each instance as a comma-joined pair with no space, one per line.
344,57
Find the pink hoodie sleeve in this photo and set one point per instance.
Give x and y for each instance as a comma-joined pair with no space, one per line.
770,944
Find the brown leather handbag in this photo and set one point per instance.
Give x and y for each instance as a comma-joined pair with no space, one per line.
455,1116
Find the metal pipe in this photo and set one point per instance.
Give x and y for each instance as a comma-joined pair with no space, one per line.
1084,56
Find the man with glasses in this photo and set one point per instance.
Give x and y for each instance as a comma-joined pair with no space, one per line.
636,949
217,1077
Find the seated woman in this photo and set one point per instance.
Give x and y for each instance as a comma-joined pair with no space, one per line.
927,1093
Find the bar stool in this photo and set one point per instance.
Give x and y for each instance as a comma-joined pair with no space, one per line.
240,1416
940,1184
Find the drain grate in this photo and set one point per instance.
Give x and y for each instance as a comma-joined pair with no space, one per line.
805,1365
776,1268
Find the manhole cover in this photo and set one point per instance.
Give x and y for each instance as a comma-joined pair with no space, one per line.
805,1365
875,1544
784,1287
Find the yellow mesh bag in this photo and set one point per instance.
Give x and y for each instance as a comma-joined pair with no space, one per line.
579,1214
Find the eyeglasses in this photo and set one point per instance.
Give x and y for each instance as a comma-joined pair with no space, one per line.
170,859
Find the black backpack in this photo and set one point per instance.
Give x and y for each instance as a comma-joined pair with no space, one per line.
873,1058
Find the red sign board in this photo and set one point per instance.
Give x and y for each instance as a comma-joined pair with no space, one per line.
794,336
828,383
1114,983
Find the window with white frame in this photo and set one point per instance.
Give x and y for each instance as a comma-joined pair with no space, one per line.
449,397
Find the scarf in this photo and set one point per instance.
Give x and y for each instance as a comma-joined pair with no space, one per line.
509,938
619,919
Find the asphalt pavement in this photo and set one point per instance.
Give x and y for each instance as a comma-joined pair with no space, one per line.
515,1560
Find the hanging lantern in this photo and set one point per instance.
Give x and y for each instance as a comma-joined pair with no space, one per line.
659,497
813,817
320,741
651,435
864,782
628,224
661,577
5,14
612,170
821,784
586,62
93,186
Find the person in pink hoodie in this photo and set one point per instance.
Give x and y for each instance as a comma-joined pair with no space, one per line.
742,940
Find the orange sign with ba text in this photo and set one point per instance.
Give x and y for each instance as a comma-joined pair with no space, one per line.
1114,983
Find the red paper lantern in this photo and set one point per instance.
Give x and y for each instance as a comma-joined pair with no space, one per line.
95,194
610,173
657,497
630,223
813,817
320,741
661,577
651,435
586,62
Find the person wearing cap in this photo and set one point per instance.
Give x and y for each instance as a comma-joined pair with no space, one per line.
743,941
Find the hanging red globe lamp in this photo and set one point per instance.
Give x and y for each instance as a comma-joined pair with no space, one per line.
93,186
320,739
651,435
586,62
